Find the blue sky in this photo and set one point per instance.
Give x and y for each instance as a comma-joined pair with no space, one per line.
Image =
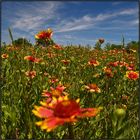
72,22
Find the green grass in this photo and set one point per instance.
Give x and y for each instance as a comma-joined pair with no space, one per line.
20,93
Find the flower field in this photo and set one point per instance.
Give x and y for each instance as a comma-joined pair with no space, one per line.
55,92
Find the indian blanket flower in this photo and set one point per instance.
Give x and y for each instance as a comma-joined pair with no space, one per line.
65,61
46,34
93,62
57,47
54,91
60,111
130,66
108,71
53,80
114,64
51,55
30,74
92,88
132,75
32,59
4,56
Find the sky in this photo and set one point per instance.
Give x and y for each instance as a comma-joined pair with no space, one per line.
72,22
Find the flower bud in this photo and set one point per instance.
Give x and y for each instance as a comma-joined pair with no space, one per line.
119,112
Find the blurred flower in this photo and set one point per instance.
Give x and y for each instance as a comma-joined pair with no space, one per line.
57,92
130,66
53,80
60,111
5,56
93,88
132,75
12,48
32,59
108,71
46,74
57,47
65,61
101,40
93,62
44,34
30,74
114,64
51,55
124,97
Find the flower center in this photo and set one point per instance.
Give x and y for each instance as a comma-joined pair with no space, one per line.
66,109
133,75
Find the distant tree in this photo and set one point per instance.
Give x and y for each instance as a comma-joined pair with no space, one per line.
114,46
21,42
107,46
132,45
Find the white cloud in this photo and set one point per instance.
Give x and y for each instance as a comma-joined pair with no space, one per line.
87,22
117,3
35,16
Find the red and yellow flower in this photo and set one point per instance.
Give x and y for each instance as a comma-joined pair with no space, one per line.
132,75
4,56
93,88
93,62
60,111
57,47
65,61
46,34
32,59
56,92
30,74
108,72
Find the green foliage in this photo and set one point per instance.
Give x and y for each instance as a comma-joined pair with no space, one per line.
21,93
21,42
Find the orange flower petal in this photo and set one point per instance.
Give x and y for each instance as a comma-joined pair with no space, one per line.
43,112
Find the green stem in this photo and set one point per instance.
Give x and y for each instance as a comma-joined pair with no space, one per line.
70,130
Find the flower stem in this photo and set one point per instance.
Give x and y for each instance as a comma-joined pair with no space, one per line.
70,130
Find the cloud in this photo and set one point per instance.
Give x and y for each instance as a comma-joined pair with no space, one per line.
34,17
87,22
117,3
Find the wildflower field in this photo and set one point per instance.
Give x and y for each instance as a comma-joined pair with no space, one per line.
72,92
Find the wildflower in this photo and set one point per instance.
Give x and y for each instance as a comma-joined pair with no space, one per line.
46,34
101,40
108,71
54,91
5,56
114,64
93,88
53,80
124,97
132,75
130,66
30,74
60,111
51,55
57,47
32,59
93,62
46,74
65,61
